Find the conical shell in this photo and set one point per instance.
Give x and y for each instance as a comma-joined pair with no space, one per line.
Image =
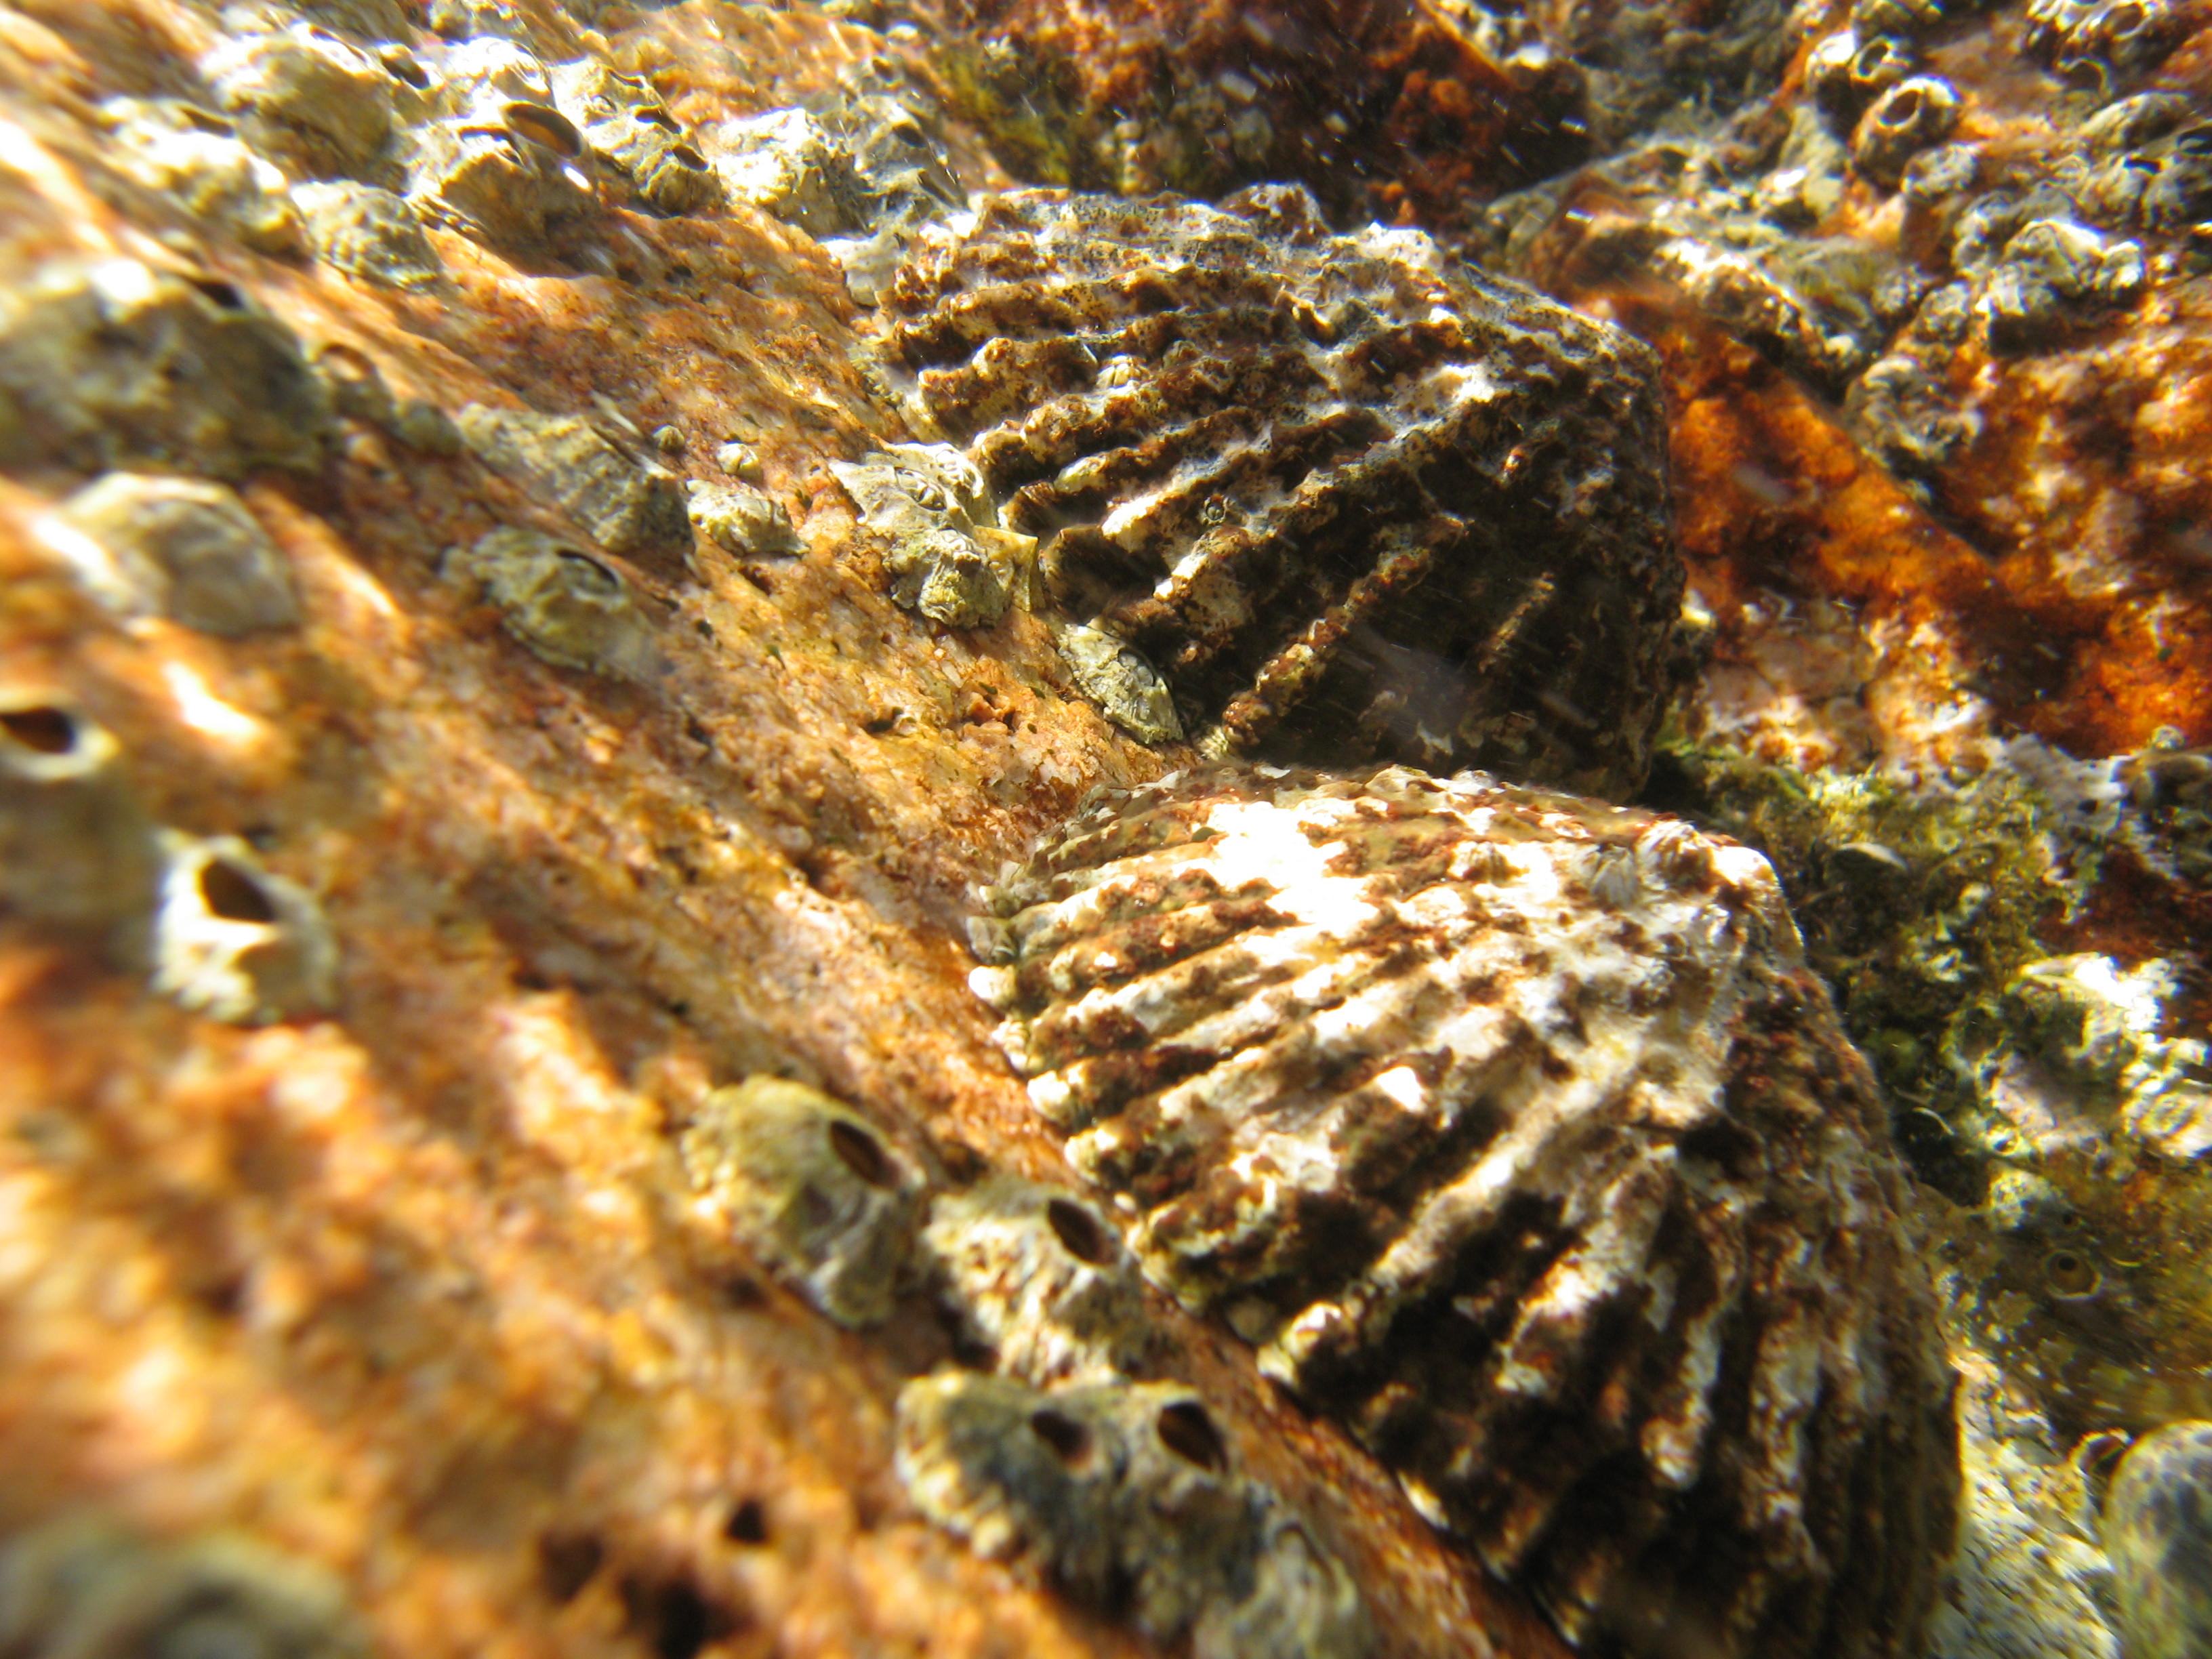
1514,1132
1349,497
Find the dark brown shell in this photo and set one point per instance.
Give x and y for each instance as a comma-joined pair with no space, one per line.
1351,499
1513,1131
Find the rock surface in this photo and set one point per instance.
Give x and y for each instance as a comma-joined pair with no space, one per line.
365,972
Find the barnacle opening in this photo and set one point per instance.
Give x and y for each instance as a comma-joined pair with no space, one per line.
42,729
2071,1275
860,1152
567,1561
1069,1440
748,1523
232,894
223,295
544,127
1185,1430
1080,1231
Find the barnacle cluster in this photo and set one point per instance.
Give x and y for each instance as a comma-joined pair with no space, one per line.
1039,1280
1127,1491
221,932
1471,1106
1119,1493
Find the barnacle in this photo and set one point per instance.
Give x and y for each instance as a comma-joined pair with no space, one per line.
121,364
1915,113
2074,35
236,942
948,557
1109,671
565,606
1120,1487
2050,270
743,520
1345,496
2157,1528
198,157
507,173
85,1588
1040,1278
622,119
480,74
788,164
1846,71
1513,1131
317,106
74,844
368,232
814,1186
176,547
629,505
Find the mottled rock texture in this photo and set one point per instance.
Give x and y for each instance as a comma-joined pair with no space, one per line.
1418,109
1514,1133
411,1283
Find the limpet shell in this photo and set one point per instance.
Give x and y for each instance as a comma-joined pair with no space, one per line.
1349,498
1514,1132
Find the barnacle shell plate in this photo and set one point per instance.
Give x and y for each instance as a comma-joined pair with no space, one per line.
1512,1129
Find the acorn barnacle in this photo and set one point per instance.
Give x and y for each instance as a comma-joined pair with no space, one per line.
1513,1131
1348,497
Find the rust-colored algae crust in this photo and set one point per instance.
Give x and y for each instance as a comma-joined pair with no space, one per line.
1349,498
1513,1132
